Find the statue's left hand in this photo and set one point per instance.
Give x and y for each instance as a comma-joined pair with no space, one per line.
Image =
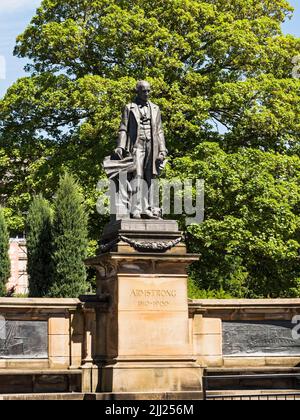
162,156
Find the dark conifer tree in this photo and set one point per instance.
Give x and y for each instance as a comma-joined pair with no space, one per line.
70,240
39,247
4,255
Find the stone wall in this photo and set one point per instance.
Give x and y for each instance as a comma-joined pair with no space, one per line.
245,333
60,320
61,334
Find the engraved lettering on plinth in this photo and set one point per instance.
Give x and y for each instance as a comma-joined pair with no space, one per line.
146,294
154,293
159,299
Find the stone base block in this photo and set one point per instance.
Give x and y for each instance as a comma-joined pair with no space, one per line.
148,396
121,396
143,341
133,236
147,377
210,361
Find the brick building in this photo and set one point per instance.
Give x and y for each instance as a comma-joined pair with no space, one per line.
18,281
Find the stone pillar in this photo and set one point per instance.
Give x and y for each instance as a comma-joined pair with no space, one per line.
142,331
77,333
59,341
207,339
89,370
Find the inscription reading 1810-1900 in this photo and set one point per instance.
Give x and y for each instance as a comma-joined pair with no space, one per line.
158,298
259,338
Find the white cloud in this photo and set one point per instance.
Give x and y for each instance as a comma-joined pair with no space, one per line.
7,6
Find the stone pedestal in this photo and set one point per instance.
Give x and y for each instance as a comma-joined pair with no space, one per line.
143,341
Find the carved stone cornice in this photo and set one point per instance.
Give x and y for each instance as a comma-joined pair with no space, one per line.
151,246
154,245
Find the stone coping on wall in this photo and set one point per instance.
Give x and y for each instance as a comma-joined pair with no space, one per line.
210,305
43,303
245,309
195,304
243,302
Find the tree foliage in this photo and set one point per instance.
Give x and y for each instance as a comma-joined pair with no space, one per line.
70,241
39,247
221,72
250,239
4,256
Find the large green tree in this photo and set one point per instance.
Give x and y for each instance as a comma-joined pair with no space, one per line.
250,239
4,256
221,72
39,247
70,241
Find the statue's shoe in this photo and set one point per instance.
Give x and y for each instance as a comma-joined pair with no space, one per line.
136,216
149,215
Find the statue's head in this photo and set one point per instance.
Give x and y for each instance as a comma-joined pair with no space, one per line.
143,90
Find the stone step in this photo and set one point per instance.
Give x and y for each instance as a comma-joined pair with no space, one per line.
138,396
252,370
18,381
144,396
43,397
267,378
237,394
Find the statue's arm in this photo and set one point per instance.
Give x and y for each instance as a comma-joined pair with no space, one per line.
161,136
123,130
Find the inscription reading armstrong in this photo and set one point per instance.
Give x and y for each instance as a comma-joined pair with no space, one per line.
157,298
259,338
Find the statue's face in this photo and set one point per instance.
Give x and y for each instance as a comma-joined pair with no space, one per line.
144,91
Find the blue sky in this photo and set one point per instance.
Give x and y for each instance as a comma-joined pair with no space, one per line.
16,14
14,17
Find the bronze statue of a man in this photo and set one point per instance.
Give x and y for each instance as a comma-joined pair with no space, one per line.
141,136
